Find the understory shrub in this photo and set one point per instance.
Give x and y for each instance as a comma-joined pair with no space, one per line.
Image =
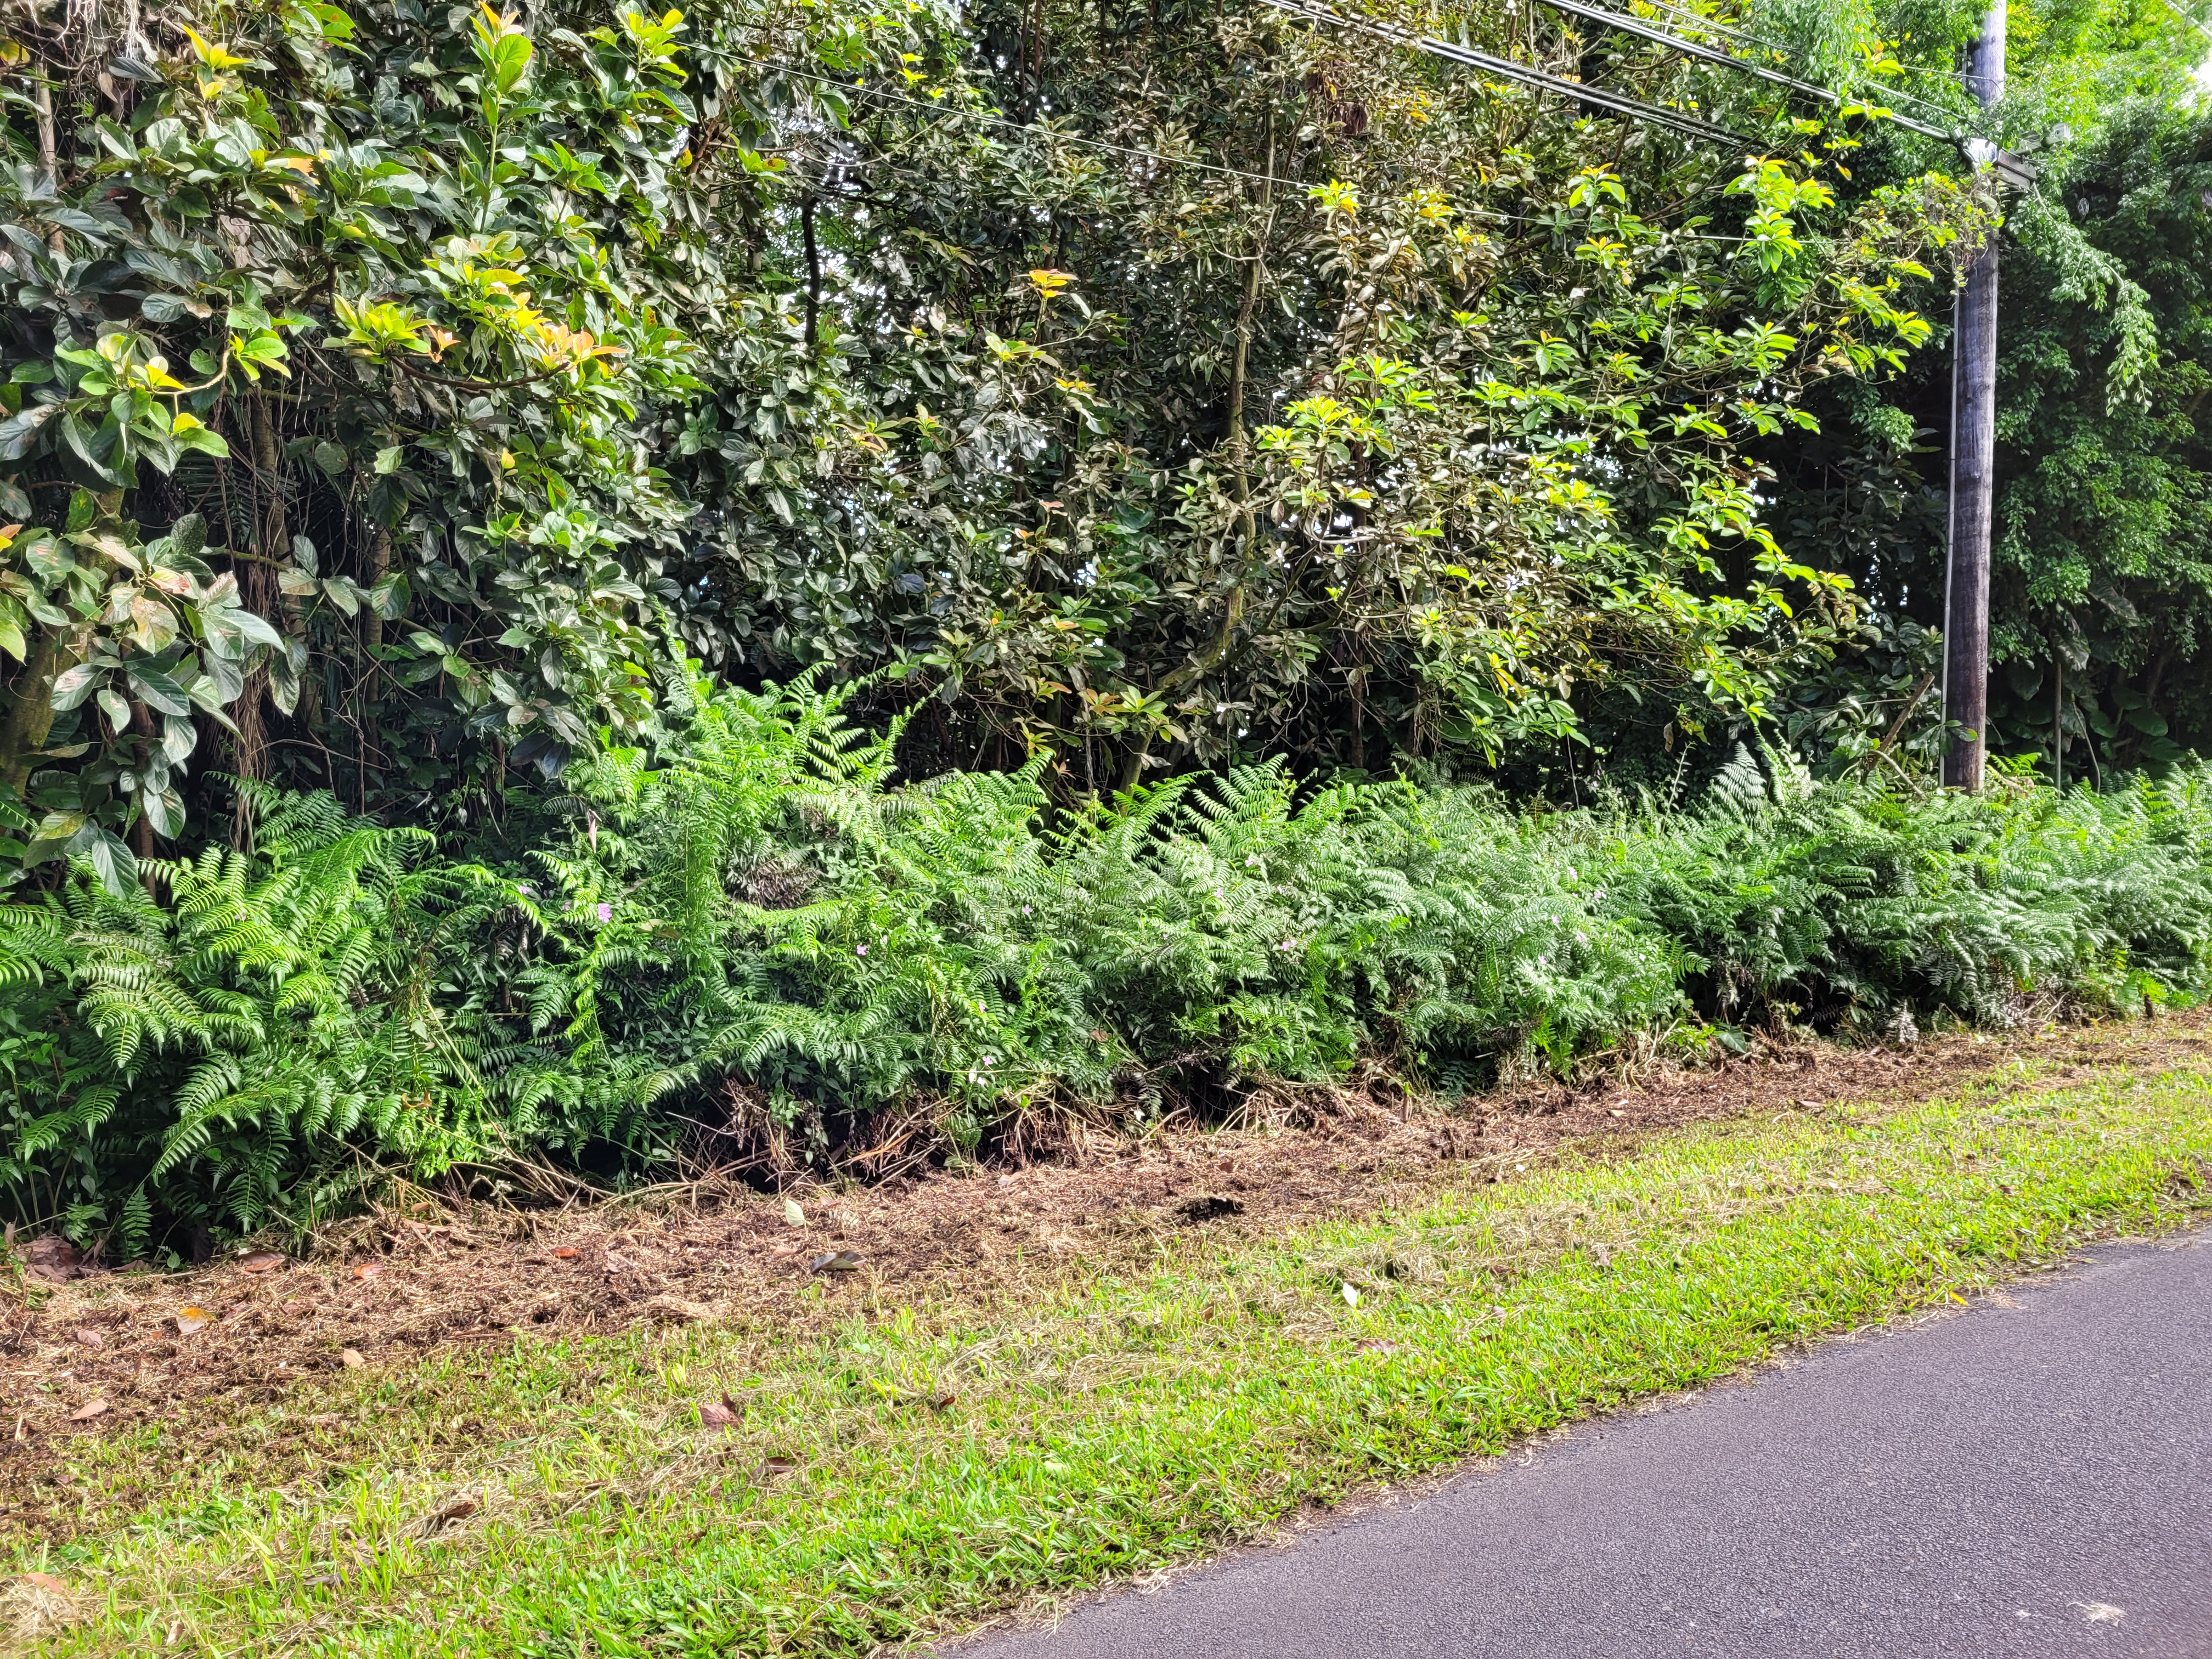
763,935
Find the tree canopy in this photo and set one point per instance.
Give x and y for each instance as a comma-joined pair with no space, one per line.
399,396
2101,569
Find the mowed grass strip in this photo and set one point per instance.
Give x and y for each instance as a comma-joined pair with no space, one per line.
925,1466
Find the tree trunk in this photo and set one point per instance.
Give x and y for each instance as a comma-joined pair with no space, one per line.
380,567
31,712
1254,274
257,588
813,272
49,154
1973,468
1133,764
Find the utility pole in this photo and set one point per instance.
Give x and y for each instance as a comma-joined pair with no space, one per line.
1973,464
1965,668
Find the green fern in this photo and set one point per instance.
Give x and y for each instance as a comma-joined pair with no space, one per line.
263,1024
764,911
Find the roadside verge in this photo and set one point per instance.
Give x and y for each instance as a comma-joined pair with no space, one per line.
893,1467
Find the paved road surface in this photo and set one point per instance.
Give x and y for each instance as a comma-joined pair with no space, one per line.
2026,1481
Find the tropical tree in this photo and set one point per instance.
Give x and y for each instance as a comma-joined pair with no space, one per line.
2103,434
395,398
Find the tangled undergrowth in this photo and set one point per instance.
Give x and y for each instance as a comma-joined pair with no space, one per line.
764,950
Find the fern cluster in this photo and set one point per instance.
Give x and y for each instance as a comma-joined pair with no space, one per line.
245,1046
769,908
767,916
1842,901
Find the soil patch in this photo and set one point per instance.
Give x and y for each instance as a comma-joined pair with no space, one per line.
97,1353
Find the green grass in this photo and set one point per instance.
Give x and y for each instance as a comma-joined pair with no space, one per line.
1112,1426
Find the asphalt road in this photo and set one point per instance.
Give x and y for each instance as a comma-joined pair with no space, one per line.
2034,1479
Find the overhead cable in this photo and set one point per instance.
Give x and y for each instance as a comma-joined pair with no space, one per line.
1636,26
1596,97
2197,23
992,118
1751,42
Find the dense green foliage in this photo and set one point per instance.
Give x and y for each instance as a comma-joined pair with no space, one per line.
763,946
2107,551
2104,553
430,436
396,393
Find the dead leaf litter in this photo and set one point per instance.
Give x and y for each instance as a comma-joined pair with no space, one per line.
85,1350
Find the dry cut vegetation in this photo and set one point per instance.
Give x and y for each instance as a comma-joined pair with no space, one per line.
858,1466
137,1357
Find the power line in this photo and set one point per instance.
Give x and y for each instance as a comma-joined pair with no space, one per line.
1632,25
2201,27
1711,24
1048,133
1760,43
1613,103
1638,26
1619,103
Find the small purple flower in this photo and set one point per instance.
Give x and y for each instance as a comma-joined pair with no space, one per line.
524,889
1025,909
860,950
606,912
987,1060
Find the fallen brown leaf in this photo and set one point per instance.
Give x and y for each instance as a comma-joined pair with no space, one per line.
351,1359
367,1270
91,1339
46,1582
944,1400
455,1508
54,1260
261,1261
189,1320
775,1466
563,1252
721,1413
87,1412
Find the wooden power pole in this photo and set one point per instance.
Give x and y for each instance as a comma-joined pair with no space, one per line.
1973,466
1974,334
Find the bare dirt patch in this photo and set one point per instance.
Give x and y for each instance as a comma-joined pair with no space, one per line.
97,1353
